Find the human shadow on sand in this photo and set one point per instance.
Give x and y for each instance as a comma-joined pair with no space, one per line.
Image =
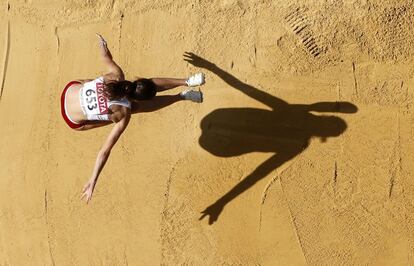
286,130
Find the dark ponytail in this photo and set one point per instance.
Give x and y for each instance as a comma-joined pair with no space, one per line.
116,90
140,89
145,89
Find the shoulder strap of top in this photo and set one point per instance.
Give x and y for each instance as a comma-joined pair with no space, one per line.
124,102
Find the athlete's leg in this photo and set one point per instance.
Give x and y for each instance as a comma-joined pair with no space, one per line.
168,83
158,102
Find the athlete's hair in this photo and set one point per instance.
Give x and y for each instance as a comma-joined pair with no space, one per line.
140,89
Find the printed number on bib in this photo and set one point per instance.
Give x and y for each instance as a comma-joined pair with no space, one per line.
91,99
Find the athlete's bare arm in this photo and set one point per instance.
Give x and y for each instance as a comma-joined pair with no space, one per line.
114,71
103,155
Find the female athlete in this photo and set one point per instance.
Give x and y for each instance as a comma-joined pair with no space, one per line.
87,104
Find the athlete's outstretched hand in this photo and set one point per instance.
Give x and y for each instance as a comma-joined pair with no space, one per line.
197,61
104,47
88,190
102,41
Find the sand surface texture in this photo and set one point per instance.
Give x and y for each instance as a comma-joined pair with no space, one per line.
301,154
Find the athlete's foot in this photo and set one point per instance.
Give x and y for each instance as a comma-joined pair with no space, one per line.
195,80
191,95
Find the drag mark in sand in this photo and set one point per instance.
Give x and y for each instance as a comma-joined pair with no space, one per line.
120,32
293,220
45,204
268,186
6,59
57,39
392,180
165,209
355,80
335,176
112,5
395,161
406,89
295,227
264,196
125,259
278,177
47,228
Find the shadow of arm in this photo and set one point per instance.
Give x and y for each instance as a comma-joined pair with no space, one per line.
263,97
214,210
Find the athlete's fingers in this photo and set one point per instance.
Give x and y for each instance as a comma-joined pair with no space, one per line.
89,198
85,187
85,196
85,193
100,36
101,40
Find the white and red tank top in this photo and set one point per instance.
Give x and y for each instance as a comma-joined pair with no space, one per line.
94,104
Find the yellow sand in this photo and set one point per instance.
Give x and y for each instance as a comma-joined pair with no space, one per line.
344,200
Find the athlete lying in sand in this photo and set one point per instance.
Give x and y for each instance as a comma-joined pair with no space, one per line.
87,104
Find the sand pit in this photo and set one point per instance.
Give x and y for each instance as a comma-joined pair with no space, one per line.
301,154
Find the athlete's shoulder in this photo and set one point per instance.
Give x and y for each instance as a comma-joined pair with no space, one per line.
113,77
119,112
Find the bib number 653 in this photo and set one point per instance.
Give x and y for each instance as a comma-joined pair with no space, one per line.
91,100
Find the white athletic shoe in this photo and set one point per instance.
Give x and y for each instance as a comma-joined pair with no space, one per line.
195,80
191,95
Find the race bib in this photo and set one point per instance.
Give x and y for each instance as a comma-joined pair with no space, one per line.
96,100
